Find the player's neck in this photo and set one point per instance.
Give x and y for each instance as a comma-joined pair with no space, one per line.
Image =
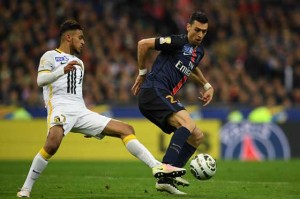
66,49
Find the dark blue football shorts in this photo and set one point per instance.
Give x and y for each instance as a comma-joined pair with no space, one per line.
157,105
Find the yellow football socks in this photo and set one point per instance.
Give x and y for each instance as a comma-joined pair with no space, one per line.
128,138
44,154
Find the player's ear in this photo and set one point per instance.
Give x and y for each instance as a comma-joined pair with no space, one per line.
188,27
68,37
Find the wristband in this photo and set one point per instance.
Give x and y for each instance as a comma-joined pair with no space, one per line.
207,86
143,71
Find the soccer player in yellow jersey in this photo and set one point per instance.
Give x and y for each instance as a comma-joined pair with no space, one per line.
61,74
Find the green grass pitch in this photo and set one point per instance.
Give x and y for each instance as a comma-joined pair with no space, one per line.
101,179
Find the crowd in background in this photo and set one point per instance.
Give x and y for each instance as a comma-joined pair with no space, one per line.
252,48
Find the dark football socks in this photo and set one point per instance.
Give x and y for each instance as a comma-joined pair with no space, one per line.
185,154
176,144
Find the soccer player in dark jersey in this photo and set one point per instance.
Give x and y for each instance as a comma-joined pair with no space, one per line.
178,59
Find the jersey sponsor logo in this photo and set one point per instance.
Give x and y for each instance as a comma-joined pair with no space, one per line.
182,68
187,50
164,40
62,60
249,141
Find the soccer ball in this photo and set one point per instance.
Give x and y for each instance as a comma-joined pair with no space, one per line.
203,166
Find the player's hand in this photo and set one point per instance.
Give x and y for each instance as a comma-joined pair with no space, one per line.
207,96
137,84
71,66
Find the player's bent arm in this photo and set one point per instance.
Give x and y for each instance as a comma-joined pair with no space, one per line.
46,77
198,77
144,46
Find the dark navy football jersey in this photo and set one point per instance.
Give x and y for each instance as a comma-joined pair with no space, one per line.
177,59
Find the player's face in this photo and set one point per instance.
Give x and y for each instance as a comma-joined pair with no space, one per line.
77,41
196,32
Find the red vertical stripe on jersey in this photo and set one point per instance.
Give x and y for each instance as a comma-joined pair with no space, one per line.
181,82
179,85
194,55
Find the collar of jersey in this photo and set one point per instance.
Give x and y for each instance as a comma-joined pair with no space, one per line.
59,50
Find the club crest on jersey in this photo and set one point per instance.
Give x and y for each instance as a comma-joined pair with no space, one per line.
187,50
166,40
62,60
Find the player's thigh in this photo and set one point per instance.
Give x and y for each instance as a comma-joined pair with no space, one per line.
182,118
90,123
158,105
117,128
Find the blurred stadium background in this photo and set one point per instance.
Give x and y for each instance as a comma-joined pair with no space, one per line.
252,60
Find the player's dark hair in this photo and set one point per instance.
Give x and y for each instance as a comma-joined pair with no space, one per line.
198,16
69,24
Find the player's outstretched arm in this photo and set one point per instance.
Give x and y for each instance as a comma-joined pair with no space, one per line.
198,77
144,46
47,77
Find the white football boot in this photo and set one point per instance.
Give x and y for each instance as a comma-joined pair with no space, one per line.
23,193
167,185
181,181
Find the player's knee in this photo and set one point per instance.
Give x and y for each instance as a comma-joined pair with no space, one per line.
190,126
188,123
182,119
51,148
52,145
197,137
128,130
